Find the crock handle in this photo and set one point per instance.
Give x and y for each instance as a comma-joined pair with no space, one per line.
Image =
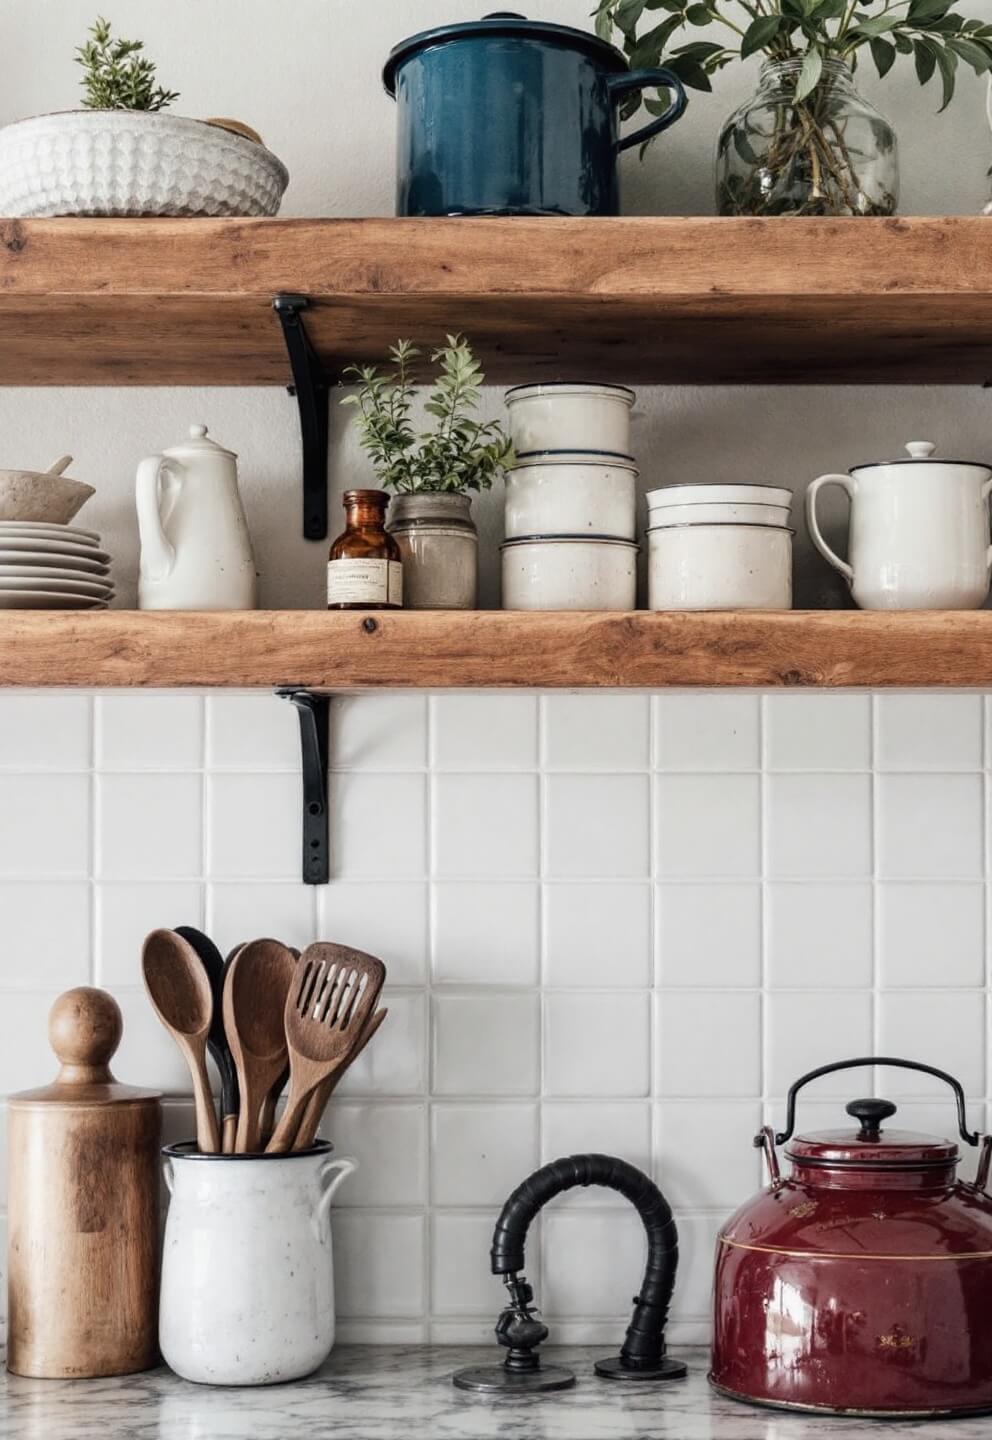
332,1172
969,1136
643,80
167,1173
846,483
984,1160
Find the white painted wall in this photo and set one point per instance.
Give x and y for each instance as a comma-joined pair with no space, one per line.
610,922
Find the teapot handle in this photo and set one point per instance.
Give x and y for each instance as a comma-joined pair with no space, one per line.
158,556
846,483
970,1137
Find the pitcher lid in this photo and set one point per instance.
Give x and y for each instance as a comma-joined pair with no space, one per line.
920,451
504,24
198,443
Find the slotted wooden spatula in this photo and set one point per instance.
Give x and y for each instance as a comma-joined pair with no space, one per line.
327,1010
317,1103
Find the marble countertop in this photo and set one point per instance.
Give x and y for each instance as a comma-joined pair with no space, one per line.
403,1392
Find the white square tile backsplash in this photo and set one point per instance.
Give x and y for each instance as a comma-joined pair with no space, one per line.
612,922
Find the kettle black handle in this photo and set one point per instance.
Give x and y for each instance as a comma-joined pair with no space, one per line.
969,1136
642,80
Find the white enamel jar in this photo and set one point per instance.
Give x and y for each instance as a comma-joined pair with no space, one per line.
569,492
570,415
919,532
568,572
247,1293
720,567
717,494
195,548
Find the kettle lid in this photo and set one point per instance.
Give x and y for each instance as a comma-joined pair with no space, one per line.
872,1146
199,443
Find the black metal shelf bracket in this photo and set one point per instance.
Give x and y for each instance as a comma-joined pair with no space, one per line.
312,390
314,712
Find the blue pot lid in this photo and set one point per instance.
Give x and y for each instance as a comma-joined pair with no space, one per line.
505,24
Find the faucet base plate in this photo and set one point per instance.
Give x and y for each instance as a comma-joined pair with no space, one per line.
497,1380
613,1368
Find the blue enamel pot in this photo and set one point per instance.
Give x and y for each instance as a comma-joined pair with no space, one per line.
507,116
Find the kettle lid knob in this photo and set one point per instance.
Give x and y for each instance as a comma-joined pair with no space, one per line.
870,1114
921,449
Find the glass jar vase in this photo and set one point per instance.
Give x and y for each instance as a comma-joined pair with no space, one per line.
830,153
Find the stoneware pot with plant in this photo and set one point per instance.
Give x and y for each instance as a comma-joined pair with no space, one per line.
122,154
806,143
431,472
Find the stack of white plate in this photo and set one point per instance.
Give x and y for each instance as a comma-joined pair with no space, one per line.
44,566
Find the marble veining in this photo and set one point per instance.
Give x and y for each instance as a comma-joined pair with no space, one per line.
366,1392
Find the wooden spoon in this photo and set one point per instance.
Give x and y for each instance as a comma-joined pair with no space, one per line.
267,1119
213,963
317,1103
179,990
327,1009
256,988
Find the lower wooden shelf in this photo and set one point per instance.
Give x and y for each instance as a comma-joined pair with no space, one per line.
359,650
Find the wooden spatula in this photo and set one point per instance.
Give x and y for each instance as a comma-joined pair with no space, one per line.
327,1010
256,987
317,1103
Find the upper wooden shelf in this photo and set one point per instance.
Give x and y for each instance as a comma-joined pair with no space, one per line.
163,302
495,649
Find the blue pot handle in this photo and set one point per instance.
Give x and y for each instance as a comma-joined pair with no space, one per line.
642,80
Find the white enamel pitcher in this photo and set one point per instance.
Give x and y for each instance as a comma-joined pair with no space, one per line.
919,532
195,548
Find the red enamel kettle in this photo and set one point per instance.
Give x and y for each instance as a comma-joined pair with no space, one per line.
861,1282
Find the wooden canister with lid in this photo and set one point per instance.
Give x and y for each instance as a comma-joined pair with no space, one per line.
83,1207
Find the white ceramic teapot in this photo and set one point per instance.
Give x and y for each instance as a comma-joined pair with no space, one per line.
919,533
195,548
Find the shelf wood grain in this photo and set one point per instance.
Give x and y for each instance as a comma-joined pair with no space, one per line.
495,649
693,301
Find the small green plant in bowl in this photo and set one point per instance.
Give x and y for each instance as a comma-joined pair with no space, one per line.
116,75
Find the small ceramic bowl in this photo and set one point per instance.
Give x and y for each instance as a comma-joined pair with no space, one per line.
720,515
718,493
39,495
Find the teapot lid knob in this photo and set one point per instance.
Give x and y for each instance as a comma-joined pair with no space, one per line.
199,432
921,449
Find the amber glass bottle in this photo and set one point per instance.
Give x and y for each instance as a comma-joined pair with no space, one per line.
364,569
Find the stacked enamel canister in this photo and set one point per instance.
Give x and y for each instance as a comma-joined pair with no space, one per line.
571,499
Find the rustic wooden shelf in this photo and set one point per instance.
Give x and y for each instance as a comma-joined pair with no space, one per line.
695,301
325,652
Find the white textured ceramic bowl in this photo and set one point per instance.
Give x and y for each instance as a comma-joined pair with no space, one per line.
569,572
41,496
571,493
718,494
720,567
570,415
720,515
132,162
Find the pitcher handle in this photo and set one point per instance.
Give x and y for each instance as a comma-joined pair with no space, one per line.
846,483
642,80
157,555
332,1172
986,491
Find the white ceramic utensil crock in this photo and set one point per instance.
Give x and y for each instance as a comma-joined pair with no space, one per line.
247,1269
566,492
195,549
720,567
714,494
919,532
569,572
570,415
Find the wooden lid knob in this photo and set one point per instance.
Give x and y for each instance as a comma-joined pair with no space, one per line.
84,1029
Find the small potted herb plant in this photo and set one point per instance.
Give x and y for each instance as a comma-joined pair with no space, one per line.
123,154
432,471
806,143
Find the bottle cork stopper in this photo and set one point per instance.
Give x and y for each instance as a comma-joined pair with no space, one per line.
84,1029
